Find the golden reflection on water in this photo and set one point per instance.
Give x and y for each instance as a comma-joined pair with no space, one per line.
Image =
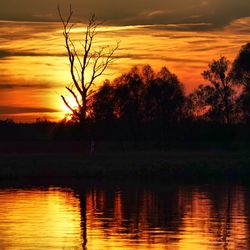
190,219
182,218
39,219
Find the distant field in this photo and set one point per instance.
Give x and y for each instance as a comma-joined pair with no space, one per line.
170,165
43,147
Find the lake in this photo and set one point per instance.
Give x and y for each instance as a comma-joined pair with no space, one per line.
112,215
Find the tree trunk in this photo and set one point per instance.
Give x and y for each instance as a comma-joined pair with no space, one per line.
82,117
227,110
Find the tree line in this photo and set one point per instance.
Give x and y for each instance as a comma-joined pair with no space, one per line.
143,96
145,105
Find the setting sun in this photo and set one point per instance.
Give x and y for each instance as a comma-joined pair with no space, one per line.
35,65
125,124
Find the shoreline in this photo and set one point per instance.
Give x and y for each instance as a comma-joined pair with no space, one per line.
175,165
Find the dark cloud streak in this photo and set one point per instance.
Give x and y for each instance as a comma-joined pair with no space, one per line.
8,53
24,85
20,110
160,57
132,12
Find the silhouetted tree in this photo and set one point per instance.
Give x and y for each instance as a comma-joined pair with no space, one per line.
164,97
220,94
241,76
206,103
148,74
84,60
103,103
163,103
241,67
128,101
141,100
127,96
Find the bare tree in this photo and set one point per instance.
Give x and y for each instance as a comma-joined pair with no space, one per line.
86,59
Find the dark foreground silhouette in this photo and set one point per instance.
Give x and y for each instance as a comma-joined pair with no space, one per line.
143,125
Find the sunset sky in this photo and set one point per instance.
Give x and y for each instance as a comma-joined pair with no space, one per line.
184,35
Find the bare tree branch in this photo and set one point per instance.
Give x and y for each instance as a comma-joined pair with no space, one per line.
84,60
75,97
67,104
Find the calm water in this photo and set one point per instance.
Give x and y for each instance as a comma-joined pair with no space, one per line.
131,216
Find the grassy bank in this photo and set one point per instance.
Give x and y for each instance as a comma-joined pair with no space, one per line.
169,165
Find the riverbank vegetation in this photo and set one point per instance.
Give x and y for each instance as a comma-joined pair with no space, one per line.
175,165
143,124
150,107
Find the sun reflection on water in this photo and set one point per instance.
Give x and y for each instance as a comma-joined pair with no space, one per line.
39,219
182,218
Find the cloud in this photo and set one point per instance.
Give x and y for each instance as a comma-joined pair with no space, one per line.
24,29
4,53
26,85
241,25
155,13
20,110
8,53
204,3
132,12
160,57
193,17
181,26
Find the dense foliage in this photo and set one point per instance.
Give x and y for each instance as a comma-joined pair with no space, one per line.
145,105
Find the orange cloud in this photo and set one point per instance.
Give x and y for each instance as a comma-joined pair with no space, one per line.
34,65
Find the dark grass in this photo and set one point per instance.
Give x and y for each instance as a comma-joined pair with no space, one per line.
147,164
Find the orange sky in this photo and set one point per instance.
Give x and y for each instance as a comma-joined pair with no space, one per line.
34,66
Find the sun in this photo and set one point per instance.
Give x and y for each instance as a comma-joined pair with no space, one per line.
71,101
